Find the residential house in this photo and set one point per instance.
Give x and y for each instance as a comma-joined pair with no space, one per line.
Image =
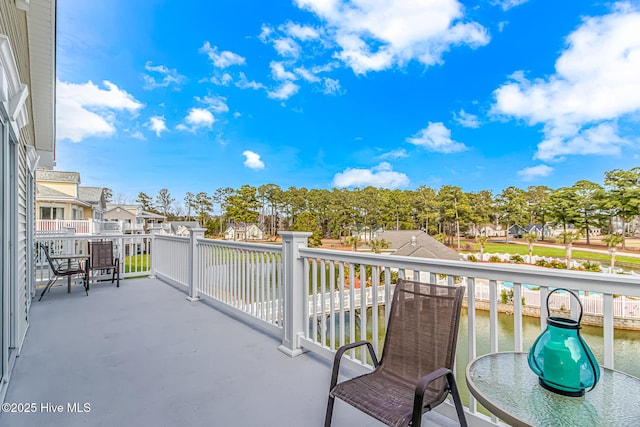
182,228
27,88
132,218
489,230
416,243
249,231
59,196
517,231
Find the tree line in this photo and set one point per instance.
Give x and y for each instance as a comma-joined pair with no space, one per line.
448,211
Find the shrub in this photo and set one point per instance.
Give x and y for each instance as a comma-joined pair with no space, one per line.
543,263
591,266
506,296
558,264
495,258
503,296
472,258
517,259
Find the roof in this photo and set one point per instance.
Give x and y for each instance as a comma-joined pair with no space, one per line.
425,246
44,193
133,210
41,24
90,194
243,227
57,176
175,225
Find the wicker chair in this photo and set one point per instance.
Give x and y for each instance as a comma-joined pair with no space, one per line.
414,374
101,259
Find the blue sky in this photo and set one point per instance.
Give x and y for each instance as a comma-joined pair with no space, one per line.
198,95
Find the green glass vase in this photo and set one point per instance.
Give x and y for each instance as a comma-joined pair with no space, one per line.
561,358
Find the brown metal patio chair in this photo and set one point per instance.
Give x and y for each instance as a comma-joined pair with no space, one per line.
101,259
414,374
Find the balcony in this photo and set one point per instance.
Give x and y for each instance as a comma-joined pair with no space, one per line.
145,353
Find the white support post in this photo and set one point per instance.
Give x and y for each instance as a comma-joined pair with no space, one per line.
194,262
153,257
294,299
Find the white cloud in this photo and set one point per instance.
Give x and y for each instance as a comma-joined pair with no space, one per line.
265,33
332,87
381,176
279,73
529,174
377,35
302,33
307,75
223,59
224,80
286,47
436,137
157,124
400,153
252,160
509,4
216,103
85,110
168,76
285,91
138,135
196,119
244,83
596,84
467,120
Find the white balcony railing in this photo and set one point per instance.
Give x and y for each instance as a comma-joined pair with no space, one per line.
314,297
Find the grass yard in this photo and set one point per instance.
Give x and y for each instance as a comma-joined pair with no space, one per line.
560,253
135,263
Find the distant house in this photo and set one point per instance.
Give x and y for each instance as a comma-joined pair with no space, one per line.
181,228
517,231
489,230
132,218
539,230
59,196
416,243
249,231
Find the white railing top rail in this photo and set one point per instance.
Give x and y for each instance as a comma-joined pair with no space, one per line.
171,237
628,285
41,237
243,245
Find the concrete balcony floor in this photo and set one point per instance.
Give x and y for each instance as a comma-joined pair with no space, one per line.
142,355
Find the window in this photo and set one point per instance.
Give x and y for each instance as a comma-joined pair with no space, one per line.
47,212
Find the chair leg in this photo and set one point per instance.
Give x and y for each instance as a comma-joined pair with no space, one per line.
47,287
329,414
456,399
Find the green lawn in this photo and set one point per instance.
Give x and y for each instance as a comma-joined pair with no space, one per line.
136,263
504,248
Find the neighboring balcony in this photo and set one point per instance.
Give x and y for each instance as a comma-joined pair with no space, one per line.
145,347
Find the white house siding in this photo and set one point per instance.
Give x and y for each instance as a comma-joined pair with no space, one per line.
18,144
23,291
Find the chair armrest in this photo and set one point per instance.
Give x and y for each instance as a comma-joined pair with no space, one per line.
422,385
340,353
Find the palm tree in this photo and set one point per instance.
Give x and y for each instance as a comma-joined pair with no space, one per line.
612,240
353,242
377,245
568,237
482,240
530,238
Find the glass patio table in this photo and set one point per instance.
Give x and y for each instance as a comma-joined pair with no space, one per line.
505,385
